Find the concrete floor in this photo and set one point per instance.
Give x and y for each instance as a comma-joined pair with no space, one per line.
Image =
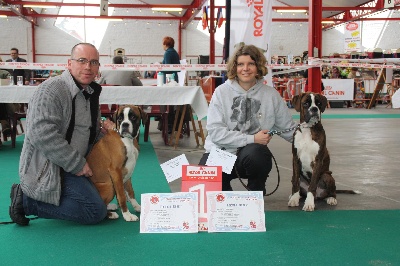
364,156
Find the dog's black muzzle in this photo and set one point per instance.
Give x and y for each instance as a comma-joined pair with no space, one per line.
312,113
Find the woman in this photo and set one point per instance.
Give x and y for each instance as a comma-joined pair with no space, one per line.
171,56
336,73
241,113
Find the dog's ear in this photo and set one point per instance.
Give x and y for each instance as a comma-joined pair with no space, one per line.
114,116
324,102
143,115
235,103
296,102
116,113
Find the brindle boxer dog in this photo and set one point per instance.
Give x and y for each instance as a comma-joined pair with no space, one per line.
113,159
311,175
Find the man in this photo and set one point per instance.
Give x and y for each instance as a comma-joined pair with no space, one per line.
120,77
18,72
5,108
62,123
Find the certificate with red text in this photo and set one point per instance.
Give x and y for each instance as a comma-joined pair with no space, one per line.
169,213
241,211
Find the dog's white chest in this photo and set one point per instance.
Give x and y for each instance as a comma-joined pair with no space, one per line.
307,149
132,155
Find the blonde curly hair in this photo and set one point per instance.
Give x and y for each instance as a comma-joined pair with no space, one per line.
255,53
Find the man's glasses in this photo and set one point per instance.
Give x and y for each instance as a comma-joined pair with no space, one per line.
84,61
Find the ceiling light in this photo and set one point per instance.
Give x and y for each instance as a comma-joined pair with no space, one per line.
40,6
167,9
3,16
291,10
327,22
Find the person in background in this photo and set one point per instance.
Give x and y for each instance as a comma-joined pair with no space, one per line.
241,113
171,56
324,72
336,73
353,73
62,123
25,73
6,109
150,74
4,74
5,125
120,77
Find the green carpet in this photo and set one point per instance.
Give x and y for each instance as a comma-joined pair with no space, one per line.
353,116
292,237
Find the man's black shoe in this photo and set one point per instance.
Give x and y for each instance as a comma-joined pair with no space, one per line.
17,213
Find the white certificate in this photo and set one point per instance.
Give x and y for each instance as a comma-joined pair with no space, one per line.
241,211
169,213
218,157
173,168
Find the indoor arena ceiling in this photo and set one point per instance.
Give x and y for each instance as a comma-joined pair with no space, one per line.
344,10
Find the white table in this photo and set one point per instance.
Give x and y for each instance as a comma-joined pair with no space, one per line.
138,95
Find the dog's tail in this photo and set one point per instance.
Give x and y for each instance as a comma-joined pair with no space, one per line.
347,191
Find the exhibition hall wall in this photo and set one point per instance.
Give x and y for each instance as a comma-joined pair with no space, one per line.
142,40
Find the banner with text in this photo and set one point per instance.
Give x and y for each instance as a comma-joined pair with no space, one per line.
339,89
352,37
251,23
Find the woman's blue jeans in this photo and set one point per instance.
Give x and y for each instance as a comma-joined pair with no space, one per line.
80,202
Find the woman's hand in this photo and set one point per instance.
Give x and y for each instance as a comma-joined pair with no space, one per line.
262,137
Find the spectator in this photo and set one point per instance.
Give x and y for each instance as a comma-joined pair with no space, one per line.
120,77
171,56
324,72
150,74
6,109
18,72
353,73
336,73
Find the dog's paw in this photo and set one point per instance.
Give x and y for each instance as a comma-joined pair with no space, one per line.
112,207
129,217
294,200
112,215
309,205
331,201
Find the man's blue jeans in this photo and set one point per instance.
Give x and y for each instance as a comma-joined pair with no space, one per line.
80,202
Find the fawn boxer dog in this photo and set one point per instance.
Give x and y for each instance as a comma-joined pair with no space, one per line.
311,175
113,159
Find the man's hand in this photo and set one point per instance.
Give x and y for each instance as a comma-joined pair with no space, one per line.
86,171
108,124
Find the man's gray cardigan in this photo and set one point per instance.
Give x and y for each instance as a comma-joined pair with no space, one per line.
46,151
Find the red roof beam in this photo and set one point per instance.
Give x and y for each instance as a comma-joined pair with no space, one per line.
97,5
